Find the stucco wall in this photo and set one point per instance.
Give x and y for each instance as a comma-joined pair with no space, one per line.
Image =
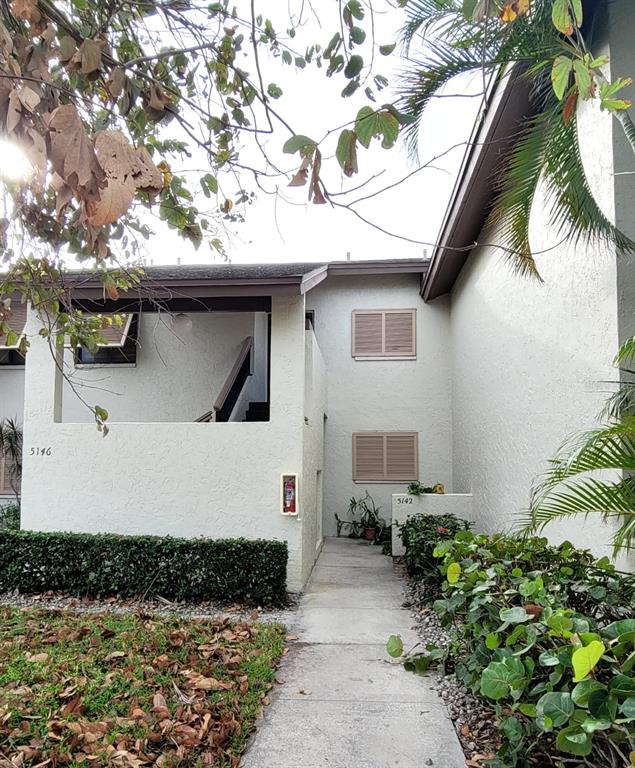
390,395
315,400
529,359
181,479
176,378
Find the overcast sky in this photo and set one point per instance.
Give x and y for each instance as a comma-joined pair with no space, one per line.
284,227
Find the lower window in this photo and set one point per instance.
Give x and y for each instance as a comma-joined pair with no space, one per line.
386,456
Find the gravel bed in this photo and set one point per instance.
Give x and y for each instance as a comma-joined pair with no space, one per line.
62,602
475,725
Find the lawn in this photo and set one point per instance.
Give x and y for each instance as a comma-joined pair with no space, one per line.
130,689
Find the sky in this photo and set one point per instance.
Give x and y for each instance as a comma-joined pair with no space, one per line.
283,226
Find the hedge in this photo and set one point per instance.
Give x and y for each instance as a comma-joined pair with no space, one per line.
191,570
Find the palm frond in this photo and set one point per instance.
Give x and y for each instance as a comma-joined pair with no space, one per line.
11,441
589,497
626,351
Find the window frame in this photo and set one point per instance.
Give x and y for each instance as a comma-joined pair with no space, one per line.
384,355
113,355
385,477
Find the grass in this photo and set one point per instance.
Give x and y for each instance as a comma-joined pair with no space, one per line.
130,690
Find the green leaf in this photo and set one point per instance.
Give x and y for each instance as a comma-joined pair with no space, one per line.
346,152
365,128
581,692
560,73
492,641
386,50
602,704
454,573
584,79
358,35
297,143
585,659
498,678
617,628
561,17
394,646
514,615
574,741
593,724
274,91
628,708
622,686
557,706
548,659
355,8
354,66
350,88
577,11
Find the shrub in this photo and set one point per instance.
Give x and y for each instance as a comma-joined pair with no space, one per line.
230,570
420,534
10,517
546,636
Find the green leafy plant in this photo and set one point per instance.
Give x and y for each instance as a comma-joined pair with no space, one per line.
546,637
417,489
195,570
420,534
11,450
567,489
365,520
10,517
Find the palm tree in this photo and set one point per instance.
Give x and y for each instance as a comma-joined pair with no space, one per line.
544,42
11,449
567,489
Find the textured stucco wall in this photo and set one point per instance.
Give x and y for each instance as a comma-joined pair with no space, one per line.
181,479
315,408
176,378
529,359
389,395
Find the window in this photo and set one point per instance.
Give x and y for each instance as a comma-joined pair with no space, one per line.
10,355
120,347
9,479
385,456
384,333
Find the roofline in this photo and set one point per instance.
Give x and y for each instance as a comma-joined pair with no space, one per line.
507,103
89,286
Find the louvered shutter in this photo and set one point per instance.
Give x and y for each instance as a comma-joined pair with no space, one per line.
401,456
367,334
368,456
16,321
399,333
384,333
8,475
116,335
385,456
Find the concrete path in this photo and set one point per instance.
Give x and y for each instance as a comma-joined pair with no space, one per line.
342,704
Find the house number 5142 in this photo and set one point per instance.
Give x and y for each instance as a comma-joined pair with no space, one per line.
41,451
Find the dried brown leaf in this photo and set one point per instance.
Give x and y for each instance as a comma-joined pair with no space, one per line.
72,155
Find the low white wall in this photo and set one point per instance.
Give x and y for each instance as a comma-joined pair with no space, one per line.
382,395
404,506
181,479
176,378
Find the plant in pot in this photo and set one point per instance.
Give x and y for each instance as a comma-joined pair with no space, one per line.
353,525
372,525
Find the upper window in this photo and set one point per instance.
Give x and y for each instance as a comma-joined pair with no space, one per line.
385,456
384,333
120,345
9,346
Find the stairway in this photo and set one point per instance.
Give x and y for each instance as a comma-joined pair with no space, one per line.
257,412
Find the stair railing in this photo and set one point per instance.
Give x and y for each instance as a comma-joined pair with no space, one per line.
233,386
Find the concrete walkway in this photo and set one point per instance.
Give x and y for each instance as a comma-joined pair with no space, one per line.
341,703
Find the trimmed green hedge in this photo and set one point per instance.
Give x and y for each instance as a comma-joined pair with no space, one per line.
192,570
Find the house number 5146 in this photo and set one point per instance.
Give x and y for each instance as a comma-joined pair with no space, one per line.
41,451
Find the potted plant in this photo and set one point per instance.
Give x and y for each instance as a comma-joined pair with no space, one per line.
354,526
372,524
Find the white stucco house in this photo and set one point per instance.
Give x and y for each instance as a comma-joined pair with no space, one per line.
340,377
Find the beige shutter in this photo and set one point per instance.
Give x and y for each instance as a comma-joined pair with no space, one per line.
8,475
399,333
401,456
385,456
16,321
367,334
384,333
368,456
